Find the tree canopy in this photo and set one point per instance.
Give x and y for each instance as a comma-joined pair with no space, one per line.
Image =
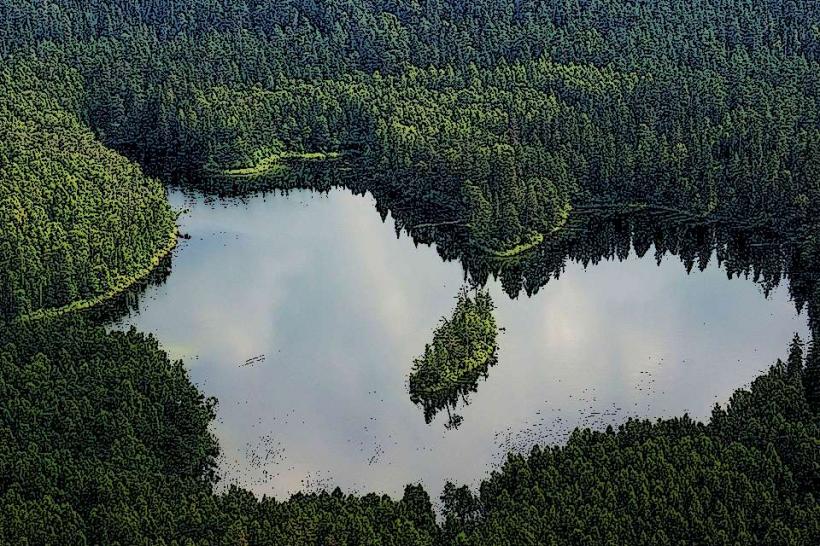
495,125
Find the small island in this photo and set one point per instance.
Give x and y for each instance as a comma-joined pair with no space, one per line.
463,348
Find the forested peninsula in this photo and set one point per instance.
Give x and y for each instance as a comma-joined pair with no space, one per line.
492,126
78,220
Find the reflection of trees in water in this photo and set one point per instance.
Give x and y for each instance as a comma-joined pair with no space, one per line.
448,397
592,234
127,301
762,257
462,351
765,258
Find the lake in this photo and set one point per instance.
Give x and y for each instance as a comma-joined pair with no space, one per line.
302,314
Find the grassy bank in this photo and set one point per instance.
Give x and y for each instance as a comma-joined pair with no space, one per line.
533,239
275,162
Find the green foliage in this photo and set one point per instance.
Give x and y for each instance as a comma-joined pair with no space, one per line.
539,106
77,220
497,122
750,476
103,440
463,348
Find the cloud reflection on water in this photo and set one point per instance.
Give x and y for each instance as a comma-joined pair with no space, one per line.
339,308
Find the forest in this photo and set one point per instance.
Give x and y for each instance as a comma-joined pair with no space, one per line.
78,220
491,127
499,130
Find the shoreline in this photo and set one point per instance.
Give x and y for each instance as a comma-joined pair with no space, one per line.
124,284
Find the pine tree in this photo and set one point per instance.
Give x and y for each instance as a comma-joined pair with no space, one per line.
794,365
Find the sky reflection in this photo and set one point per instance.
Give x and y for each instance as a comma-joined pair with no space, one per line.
302,315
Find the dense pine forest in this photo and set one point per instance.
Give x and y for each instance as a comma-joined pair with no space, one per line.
500,116
78,220
494,128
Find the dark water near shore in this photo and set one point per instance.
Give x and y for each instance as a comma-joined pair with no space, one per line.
302,315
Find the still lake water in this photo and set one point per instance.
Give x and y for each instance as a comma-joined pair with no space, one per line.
302,314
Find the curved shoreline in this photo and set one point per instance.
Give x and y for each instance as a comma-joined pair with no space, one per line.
127,282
